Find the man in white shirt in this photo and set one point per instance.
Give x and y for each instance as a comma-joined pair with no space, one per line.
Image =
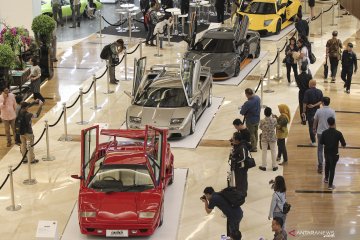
160,28
320,125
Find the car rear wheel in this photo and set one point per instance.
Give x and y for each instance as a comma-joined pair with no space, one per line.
209,100
257,52
237,68
193,124
278,27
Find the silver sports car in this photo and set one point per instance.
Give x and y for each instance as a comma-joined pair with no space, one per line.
224,49
171,96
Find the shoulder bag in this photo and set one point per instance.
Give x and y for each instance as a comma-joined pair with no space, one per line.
286,206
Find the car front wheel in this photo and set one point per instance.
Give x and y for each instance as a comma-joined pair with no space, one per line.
278,27
237,68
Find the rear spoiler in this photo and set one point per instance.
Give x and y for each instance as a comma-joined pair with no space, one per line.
124,133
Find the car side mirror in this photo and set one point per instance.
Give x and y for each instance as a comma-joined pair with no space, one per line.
75,176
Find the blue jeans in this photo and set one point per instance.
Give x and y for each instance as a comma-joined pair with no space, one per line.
320,151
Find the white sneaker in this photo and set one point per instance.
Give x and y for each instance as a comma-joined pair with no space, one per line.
313,144
331,187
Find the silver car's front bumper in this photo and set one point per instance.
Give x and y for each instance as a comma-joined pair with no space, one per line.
178,129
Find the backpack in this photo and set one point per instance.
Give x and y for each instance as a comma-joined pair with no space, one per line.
147,18
105,52
234,197
20,124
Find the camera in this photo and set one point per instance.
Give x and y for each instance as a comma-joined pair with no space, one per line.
272,183
203,197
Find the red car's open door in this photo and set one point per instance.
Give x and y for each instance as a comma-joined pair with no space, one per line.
155,147
89,146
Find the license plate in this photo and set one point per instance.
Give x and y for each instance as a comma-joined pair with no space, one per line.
117,233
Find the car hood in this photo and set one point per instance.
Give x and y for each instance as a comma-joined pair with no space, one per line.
212,60
119,205
158,116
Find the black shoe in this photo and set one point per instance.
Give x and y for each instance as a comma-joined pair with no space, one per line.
78,24
72,26
275,169
147,44
283,163
113,83
319,170
262,168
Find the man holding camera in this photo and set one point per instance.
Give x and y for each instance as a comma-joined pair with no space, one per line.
233,215
115,49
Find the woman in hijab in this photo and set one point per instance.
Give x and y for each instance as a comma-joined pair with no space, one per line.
282,131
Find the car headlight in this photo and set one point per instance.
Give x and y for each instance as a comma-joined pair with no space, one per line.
87,214
226,64
147,215
267,22
176,120
135,119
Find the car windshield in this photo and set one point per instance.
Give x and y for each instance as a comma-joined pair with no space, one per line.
212,45
261,8
121,178
162,97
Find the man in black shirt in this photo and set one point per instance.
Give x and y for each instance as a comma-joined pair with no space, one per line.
238,155
302,82
302,26
241,128
349,61
330,138
233,215
311,102
220,8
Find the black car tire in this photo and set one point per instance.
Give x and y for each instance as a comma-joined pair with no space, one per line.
278,27
193,124
237,68
257,52
209,100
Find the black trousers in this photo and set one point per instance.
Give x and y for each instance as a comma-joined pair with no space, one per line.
233,228
301,98
330,165
241,179
346,76
334,62
39,96
282,149
220,14
150,33
310,119
288,71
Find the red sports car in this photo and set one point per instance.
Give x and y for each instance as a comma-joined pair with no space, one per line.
123,181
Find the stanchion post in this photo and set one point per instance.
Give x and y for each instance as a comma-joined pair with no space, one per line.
47,157
125,64
268,90
29,181
158,47
168,36
95,107
262,91
65,138
278,75
141,53
12,207
108,78
333,15
321,21
100,21
339,10
130,29
82,122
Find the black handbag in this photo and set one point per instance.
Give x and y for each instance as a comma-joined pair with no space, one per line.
326,69
249,161
286,206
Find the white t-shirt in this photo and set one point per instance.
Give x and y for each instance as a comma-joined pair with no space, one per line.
305,51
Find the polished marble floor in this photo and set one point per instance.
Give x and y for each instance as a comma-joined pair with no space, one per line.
53,197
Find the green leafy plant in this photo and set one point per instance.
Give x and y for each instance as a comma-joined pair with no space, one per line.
7,56
43,26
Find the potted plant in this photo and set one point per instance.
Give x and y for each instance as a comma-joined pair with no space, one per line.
43,27
7,60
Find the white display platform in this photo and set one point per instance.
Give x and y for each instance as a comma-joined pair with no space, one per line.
108,1
174,195
191,141
243,73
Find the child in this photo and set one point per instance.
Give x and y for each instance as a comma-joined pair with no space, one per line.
34,77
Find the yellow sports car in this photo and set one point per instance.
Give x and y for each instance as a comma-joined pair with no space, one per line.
270,16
